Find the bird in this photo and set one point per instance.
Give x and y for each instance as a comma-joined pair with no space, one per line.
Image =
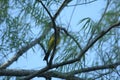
51,43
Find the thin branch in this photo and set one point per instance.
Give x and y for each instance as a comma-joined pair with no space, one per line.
46,9
71,17
64,4
97,37
71,38
94,68
103,74
106,8
42,46
30,76
82,3
117,72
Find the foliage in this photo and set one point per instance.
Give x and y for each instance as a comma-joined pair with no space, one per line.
91,53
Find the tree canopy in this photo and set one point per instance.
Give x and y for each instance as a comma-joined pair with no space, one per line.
88,50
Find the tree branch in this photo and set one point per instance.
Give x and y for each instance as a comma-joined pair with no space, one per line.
19,53
24,49
27,47
56,74
89,69
64,4
80,56
23,72
54,24
100,20
82,3
66,32
46,9
84,50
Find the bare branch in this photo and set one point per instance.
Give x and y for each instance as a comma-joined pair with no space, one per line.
42,46
82,3
106,8
45,9
94,68
20,73
64,4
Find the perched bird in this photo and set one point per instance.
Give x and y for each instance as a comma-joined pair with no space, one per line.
51,43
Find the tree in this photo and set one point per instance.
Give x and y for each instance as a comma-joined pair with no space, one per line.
91,53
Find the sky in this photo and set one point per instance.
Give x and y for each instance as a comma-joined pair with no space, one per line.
34,59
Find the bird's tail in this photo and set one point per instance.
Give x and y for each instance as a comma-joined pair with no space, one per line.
47,55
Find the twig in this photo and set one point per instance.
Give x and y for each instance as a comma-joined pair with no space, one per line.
61,8
107,4
45,9
82,3
42,47
103,74
93,41
71,38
